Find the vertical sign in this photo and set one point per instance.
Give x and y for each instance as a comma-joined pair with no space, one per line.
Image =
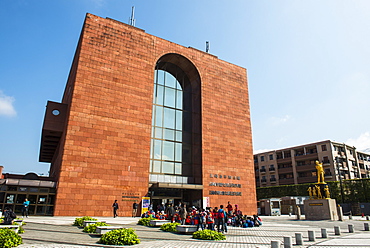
206,202
145,203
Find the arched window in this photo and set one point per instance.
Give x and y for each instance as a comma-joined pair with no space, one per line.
171,135
176,141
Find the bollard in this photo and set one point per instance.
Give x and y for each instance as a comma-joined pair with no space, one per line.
275,244
340,213
324,233
350,228
298,213
336,230
287,242
298,239
366,226
311,236
367,217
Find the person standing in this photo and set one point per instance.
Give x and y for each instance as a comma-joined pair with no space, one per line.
25,207
183,213
222,225
229,209
170,212
115,208
134,209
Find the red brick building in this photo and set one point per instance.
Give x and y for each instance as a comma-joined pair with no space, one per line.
142,116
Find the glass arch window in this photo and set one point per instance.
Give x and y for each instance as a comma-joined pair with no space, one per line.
170,148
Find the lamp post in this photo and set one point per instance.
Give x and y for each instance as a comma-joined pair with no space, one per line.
339,161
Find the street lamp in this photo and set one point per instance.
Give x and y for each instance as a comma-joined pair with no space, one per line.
339,161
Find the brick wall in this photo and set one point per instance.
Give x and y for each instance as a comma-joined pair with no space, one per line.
107,140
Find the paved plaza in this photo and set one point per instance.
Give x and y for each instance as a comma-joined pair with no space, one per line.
59,232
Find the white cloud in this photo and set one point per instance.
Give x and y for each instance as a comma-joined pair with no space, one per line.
6,105
361,143
279,120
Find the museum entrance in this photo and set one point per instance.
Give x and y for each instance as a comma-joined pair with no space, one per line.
161,197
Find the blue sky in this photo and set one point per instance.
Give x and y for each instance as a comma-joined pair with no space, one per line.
308,63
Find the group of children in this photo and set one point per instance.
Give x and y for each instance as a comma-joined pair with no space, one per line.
216,219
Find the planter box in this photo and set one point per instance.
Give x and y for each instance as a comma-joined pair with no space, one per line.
89,222
104,229
158,222
19,222
15,228
186,228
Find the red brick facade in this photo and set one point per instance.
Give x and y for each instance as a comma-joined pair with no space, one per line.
104,150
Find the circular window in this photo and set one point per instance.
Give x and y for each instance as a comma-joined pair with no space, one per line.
55,112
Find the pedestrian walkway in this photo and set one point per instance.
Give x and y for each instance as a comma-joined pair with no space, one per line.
58,232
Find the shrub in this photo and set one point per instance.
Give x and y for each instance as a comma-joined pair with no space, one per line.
9,238
169,227
209,235
120,237
145,221
92,227
20,228
80,221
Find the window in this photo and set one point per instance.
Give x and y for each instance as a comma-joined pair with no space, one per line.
326,160
271,157
262,158
169,148
286,176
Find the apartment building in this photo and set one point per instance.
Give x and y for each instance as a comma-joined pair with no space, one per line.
296,165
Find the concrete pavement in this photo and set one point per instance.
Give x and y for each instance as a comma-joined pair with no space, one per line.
59,232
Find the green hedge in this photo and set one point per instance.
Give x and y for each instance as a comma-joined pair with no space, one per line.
8,238
145,221
80,221
92,227
120,237
354,190
169,227
208,235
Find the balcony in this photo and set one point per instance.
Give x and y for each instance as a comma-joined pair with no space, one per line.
286,181
326,163
52,130
307,179
284,160
272,180
308,156
285,170
263,170
305,167
272,169
328,176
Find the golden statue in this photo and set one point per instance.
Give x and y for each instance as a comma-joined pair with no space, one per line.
318,190
314,193
327,193
310,192
320,172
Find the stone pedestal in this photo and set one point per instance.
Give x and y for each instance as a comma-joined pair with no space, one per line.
321,209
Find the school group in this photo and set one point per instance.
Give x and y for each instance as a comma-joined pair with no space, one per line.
216,219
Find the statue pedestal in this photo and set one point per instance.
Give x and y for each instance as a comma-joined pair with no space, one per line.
321,209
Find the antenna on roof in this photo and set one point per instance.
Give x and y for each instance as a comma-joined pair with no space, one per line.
132,18
207,46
